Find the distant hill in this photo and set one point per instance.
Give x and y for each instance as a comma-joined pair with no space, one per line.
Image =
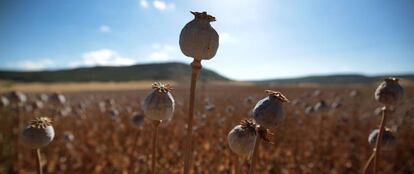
343,79
177,72
161,71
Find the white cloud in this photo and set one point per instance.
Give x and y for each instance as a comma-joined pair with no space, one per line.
159,56
157,4
144,3
161,52
34,65
169,48
161,5
105,29
103,57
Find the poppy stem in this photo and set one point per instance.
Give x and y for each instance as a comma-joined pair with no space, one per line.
379,137
368,164
39,162
196,67
254,156
154,147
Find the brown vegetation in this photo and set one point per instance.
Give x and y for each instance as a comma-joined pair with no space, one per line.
94,133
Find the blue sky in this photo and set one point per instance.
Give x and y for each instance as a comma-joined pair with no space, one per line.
259,39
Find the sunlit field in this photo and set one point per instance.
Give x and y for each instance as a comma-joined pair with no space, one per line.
94,132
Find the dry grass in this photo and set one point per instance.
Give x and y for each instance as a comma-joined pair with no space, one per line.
104,141
76,87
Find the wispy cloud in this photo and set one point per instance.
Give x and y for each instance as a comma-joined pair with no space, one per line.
143,3
105,29
103,57
159,56
157,4
161,52
30,65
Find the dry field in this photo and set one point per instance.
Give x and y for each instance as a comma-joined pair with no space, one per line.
94,133
74,87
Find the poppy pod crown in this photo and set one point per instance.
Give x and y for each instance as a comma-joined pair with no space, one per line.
41,122
278,95
162,88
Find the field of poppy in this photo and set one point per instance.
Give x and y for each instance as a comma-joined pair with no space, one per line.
325,130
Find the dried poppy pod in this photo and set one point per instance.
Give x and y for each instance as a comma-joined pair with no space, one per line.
38,104
38,133
58,98
43,97
242,138
4,101
321,106
137,119
387,140
268,112
68,136
159,105
198,39
17,97
389,92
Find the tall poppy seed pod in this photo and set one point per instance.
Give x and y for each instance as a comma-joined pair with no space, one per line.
198,39
268,112
38,133
159,104
387,140
389,92
242,138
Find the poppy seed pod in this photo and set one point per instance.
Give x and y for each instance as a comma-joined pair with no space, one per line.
44,97
4,101
321,106
159,105
17,97
242,138
68,136
198,39
268,112
137,120
387,140
389,92
58,98
38,133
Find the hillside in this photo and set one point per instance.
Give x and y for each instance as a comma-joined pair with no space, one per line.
175,72
343,79
161,71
